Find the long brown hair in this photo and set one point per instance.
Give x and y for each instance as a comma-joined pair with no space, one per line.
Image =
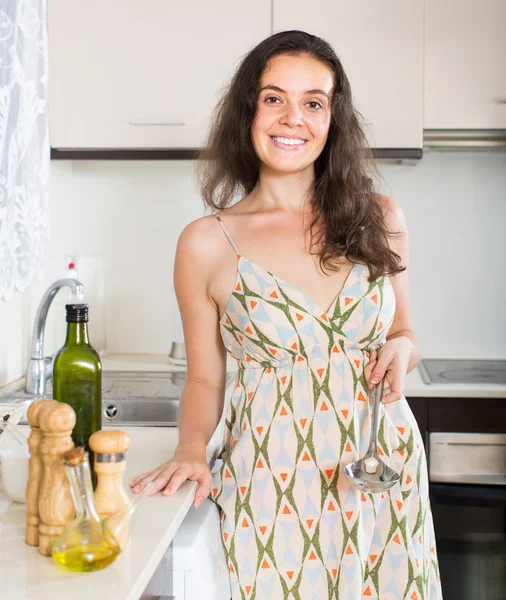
347,211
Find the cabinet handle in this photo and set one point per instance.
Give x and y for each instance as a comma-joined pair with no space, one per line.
157,122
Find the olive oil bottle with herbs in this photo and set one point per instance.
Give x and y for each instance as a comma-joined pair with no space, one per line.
77,376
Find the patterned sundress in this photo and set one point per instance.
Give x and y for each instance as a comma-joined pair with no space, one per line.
292,525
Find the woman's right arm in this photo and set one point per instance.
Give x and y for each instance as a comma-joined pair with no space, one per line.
203,393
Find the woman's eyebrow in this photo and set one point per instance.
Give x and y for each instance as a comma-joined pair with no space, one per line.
275,88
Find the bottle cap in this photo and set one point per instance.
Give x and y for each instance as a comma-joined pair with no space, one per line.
77,313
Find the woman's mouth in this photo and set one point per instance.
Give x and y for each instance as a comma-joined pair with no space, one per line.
288,143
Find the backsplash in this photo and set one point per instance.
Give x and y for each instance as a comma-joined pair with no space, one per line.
132,212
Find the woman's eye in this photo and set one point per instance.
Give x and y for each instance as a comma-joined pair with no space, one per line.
317,104
271,98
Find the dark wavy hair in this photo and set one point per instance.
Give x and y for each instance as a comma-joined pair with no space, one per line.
347,211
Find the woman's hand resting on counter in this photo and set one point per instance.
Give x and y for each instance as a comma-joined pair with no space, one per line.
167,478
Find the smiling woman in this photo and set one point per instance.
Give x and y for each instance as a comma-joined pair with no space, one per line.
302,281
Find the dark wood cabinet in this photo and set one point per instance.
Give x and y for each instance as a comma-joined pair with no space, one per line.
471,415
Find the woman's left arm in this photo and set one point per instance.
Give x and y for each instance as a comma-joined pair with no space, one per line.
401,352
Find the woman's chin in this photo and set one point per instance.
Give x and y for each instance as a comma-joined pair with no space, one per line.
285,166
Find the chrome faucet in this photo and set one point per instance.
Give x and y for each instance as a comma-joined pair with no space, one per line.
39,367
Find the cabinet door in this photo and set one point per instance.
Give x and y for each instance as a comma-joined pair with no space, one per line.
381,47
124,74
465,72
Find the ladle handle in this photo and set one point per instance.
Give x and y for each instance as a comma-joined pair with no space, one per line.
377,390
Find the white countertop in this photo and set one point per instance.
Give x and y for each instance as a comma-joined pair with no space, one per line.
26,575
414,387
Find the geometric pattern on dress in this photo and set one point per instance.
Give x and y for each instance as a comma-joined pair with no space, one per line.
292,525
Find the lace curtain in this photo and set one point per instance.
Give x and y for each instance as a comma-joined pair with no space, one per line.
24,144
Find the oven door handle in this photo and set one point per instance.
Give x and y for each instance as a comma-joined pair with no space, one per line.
468,495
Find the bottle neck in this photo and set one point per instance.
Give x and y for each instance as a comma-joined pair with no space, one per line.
82,491
77,334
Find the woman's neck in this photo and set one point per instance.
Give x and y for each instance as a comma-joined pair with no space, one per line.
276,190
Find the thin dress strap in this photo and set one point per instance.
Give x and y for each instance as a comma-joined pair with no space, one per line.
229,237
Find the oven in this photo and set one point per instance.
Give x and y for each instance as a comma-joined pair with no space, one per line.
465,441
467,473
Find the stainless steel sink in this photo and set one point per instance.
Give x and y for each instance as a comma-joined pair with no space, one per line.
130,398
141,412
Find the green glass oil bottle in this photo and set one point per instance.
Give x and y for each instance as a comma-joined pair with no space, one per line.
77,376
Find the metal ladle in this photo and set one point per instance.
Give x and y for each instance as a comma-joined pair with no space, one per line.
370,473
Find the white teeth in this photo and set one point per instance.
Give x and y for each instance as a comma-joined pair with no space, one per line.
289,141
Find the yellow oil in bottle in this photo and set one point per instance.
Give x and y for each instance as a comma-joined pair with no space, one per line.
87,557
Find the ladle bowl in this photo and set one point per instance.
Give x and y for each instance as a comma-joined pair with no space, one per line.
384,477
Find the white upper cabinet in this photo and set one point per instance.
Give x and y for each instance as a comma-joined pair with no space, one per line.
465,64
380,45
125,74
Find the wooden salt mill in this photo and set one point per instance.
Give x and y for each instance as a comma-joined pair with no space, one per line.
34,472
56,507
109,446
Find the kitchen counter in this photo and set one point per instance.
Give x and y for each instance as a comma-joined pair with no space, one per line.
414,387
26,575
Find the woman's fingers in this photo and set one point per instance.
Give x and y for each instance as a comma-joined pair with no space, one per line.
139,478
381,367
395,385
139,483
370,367
163,479
204,489
180,475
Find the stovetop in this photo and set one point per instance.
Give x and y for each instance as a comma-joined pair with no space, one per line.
463,371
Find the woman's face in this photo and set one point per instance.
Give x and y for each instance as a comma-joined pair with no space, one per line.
293,112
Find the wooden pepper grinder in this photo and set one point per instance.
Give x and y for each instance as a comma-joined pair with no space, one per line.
109,446
34,472
56,507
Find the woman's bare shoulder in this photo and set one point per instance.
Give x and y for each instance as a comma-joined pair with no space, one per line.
392,213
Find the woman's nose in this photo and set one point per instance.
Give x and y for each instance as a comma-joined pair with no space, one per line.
292,116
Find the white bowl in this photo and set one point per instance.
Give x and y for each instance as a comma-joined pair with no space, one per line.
14,468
